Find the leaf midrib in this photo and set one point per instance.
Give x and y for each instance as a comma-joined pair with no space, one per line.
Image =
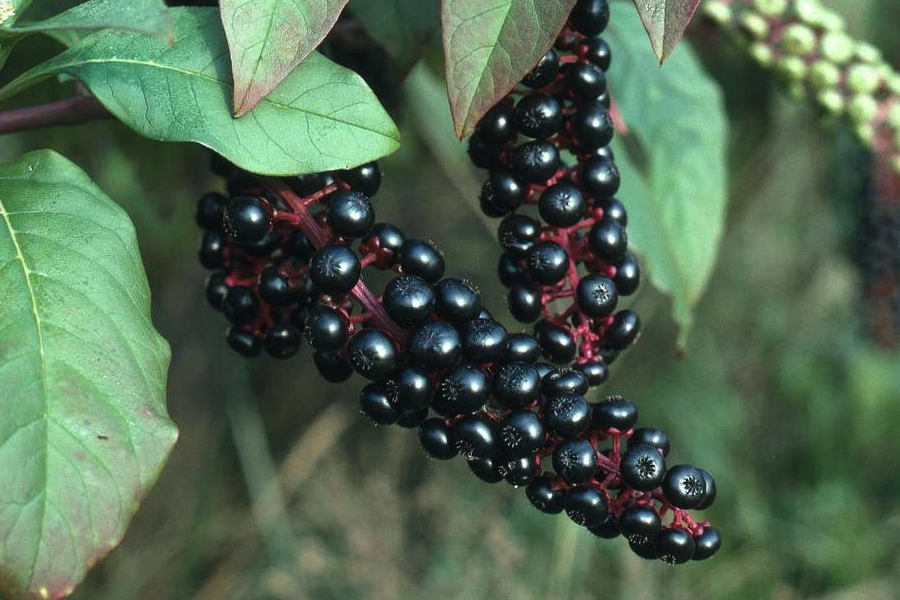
26,271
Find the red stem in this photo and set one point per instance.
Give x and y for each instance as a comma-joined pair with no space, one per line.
77,110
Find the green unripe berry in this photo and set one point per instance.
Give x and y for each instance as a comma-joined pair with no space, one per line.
895,164
831,21
754,26
792,68
771,8
823,74
893,83
836,47
863,79
865,132
798,39
762,54
808,11
867,52
893,116
718,12
862,109
831,100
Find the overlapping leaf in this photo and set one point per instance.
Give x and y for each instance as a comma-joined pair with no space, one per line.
269,38
144,16
490,45
676,113
321,117
84,431
403,27
665,22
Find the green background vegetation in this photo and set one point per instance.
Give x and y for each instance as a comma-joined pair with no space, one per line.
778,396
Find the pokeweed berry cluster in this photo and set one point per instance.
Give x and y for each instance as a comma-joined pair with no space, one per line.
436,360
552,179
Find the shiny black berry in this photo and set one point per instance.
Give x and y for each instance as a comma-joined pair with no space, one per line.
600,176
483,340
596,51
614,413
590,17
211,253
651,436
332,367
283,340
586,82
475,436
335,269
276,289
496,126
413,387
456,300
483,154
538,116
608,240
240,305
613,209
561,205
624,330
521,347
247,219
462,390
544,72
567,414
504,190
592,125
216,290
535,162
684,486
707,543
640,524
243,342
521,471
516,384
436,438
675,546
364,178
299,245
376,403
384,236
556,343
575,460
596,296
487,469
350,214
548,263
518,233
509,271
586,506
418,257
628,275
710,491
372,353
408,299
210,209
524,302
326,328
434,345
544,497
521,434
596,371
608,529
642,467
564,381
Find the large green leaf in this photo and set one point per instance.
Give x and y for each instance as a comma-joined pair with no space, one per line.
84,431
665,22
403,27
268,38
144,16
10,10
489,46
321,117
676,114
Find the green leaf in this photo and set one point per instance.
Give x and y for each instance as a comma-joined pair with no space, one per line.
84,431
677,116
321,117
665,22
10,10
402,27
269,38
143,16
490,46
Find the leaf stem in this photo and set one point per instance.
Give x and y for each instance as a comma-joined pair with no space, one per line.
75,110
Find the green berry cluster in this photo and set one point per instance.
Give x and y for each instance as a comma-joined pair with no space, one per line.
807,46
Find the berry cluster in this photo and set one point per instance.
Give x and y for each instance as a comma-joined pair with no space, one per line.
435,359
552,179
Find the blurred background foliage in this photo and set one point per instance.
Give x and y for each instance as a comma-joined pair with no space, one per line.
777,395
